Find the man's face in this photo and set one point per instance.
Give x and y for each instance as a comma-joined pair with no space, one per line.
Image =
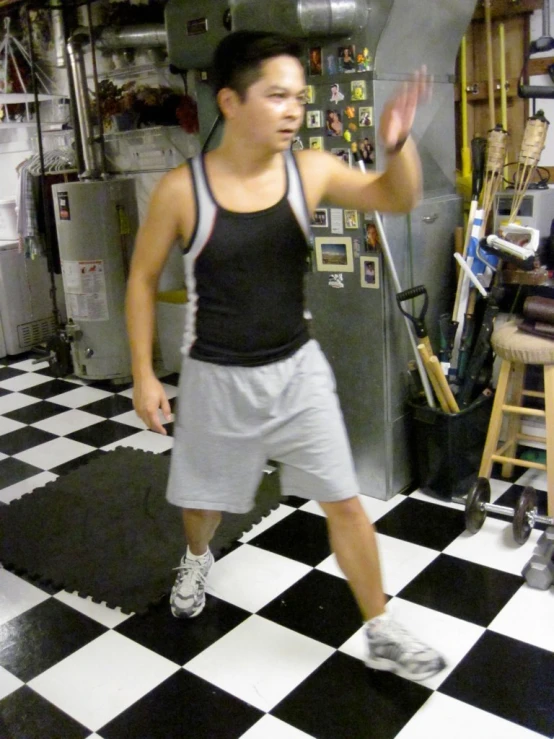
273,110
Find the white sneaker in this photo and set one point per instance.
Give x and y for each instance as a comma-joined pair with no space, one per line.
393,648
188,595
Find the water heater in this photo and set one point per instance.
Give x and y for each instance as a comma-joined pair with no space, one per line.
96,222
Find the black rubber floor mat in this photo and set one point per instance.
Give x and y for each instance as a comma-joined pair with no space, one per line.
106,531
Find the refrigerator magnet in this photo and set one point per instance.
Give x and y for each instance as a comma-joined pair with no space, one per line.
365,116
314,119
358,90
320,218
369,272
316,142
351,219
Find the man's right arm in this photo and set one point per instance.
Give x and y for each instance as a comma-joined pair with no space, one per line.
157,234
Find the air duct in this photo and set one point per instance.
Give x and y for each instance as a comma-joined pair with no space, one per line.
82,102
132,37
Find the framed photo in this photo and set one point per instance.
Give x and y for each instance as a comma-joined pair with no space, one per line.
343,154
351,219
333,123
314,119
320,218
358,90
372,240
316,142
347,59
365,116
369,272
315,60
334,254
310,95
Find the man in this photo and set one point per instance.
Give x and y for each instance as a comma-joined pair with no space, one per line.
253,385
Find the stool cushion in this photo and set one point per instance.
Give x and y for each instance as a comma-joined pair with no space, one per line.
516,346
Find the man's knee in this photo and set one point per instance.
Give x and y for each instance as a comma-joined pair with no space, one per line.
349,511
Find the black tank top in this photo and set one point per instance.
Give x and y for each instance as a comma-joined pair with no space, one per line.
245,277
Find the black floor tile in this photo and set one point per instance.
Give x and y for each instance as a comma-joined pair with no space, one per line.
511,496
13,470
26,715
74,464
6,373
39,411
343,698
171,379
115,405
179,640
110,386
462,589
524,672
102,433
422,523
301,536
294,501
50,389
17,358
184,706
22,439
4,392
320,606
42,636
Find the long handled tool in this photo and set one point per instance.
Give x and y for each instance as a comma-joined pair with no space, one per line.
398,288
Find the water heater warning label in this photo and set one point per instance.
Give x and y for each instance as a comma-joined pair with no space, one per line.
85,290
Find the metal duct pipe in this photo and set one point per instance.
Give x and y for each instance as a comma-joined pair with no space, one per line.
132,37
305,18
82,101
332,17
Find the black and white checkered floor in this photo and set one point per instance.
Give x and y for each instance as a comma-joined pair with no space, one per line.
278,652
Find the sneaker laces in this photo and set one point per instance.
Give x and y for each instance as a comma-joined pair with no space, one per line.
189,570
405,638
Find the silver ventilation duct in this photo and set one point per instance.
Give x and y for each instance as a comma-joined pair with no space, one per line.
132,37
82,101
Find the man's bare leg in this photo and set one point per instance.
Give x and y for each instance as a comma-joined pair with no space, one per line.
188,595
353,541
200,527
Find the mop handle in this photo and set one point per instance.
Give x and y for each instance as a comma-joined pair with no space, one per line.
398,289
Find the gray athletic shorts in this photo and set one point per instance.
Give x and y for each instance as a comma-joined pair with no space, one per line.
231,420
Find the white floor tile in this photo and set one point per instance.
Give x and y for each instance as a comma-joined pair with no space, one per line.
8,683
80,396
53,453
109,617
99,681
260,661
528,616
270,727
15,401
535,478
7,425
494,546
68,422
442,716
27,365
20,383
266,523
147,441
17,596
401,561
250,577
132,419
374,507
444,502
26,486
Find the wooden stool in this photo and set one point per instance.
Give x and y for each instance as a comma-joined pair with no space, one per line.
517,350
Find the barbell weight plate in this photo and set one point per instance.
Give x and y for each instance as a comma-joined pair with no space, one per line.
526,503
475,514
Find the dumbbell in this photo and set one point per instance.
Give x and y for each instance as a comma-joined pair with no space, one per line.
539,571
525,515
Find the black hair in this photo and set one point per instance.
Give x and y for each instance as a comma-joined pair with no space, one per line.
238,58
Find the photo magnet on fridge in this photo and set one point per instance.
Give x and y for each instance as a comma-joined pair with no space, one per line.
369,272
334,254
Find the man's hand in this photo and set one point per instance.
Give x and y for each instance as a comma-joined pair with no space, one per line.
148,397
399,111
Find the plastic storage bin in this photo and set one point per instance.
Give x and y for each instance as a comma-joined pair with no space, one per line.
170,318
447,449
8,220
